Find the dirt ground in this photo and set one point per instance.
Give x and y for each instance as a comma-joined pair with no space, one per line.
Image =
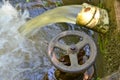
109,43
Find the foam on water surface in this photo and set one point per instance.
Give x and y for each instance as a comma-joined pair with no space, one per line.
19,57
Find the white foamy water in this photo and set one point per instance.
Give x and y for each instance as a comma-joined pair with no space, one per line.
21,58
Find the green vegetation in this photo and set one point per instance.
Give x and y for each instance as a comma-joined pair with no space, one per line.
100,5
109,43
98,78
27,0
58,3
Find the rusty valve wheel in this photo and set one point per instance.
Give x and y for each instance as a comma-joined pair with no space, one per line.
72,51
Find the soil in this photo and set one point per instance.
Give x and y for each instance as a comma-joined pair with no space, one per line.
109,43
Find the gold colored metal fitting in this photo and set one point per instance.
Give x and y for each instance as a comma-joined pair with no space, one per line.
94,21
86,14
93,18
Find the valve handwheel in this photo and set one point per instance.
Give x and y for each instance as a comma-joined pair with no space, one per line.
72,51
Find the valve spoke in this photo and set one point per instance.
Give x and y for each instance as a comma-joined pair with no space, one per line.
73,60
62,46
82,43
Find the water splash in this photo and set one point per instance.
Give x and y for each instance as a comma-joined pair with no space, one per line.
20,58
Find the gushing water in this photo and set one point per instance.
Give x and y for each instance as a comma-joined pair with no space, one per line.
69,15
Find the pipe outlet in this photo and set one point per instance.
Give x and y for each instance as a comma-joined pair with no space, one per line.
93,18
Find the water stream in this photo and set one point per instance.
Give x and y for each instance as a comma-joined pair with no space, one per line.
61,14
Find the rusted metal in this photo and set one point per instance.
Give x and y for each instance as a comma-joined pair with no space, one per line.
87,9
72,52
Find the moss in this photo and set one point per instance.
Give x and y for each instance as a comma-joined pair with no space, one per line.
27,0
58,3
109,43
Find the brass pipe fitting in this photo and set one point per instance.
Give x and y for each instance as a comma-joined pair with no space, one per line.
93,18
